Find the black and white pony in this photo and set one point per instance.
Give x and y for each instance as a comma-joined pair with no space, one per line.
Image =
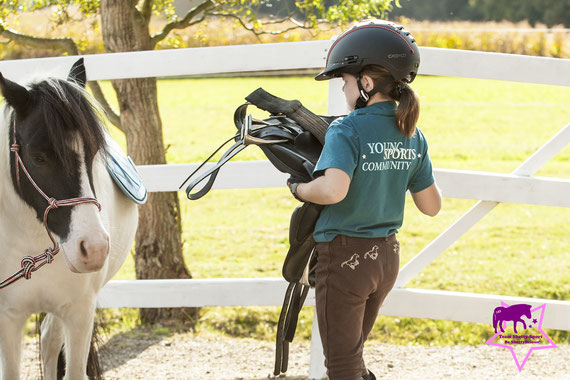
56,196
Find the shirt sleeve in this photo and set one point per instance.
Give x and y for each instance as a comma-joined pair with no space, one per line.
340,150
422,178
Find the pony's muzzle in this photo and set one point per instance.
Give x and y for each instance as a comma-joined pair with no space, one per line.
90,255
93,252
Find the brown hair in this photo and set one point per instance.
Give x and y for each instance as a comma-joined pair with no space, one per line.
408,110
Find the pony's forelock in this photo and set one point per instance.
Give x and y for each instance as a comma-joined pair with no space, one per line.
67,108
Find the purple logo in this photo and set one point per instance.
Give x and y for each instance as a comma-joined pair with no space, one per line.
520,342
511,313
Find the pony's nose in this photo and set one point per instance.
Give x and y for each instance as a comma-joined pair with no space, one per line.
94,251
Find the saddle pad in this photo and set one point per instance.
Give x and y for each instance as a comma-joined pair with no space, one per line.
124,173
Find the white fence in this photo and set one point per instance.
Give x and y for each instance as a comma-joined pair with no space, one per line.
488,188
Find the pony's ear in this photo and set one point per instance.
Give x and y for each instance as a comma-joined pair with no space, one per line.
77,73
17,96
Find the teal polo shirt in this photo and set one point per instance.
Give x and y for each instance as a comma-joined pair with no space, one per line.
382,164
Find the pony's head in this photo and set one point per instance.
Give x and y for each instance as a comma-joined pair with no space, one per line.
59,132
527,312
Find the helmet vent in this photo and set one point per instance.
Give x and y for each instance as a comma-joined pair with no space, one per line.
351,59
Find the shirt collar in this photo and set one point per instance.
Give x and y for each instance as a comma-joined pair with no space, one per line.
386,108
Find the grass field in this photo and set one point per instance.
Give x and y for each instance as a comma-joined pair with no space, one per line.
517,250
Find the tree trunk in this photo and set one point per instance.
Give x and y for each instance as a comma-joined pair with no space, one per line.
158,241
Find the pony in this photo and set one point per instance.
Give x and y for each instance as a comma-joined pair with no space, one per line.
352,263
512,313
56,196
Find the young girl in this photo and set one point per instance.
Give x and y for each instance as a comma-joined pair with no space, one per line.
370,159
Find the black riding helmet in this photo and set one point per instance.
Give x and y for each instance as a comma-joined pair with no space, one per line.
373,42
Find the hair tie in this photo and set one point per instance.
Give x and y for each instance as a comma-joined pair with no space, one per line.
400,87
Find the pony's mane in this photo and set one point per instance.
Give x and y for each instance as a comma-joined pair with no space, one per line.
68,110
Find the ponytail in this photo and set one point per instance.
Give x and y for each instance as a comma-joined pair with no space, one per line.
408,110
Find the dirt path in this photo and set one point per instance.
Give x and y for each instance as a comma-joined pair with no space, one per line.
203,356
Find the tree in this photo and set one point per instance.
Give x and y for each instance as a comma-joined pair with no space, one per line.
125,28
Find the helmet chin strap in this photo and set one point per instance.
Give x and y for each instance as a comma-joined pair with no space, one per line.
365,96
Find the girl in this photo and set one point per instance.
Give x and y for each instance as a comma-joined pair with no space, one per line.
370,159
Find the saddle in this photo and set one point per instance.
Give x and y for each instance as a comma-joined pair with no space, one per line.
124,173
292,138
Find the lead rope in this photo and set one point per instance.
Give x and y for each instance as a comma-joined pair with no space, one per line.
31,264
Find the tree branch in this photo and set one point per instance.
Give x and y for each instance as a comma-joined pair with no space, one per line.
297,25
65,44
146,10
288,18
184,22
113,117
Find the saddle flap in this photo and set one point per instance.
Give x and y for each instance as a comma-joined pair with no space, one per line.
301,240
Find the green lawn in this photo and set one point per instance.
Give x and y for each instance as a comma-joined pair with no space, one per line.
517,250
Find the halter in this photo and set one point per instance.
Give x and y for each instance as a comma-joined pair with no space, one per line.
31,264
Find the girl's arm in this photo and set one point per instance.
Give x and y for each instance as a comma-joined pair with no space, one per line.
428,200
328,189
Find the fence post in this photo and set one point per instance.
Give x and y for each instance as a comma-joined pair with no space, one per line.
317,368
336,102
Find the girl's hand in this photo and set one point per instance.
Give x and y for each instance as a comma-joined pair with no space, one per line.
292,183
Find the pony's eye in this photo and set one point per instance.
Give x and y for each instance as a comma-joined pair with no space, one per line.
39,159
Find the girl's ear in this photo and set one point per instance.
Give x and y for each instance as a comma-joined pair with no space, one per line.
367,82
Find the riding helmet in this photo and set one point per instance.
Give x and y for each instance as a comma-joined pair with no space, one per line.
373,42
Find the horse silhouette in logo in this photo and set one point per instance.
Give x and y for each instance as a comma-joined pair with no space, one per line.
512,313
373,253
352,263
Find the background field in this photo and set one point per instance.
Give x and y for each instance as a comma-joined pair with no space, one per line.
517,250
